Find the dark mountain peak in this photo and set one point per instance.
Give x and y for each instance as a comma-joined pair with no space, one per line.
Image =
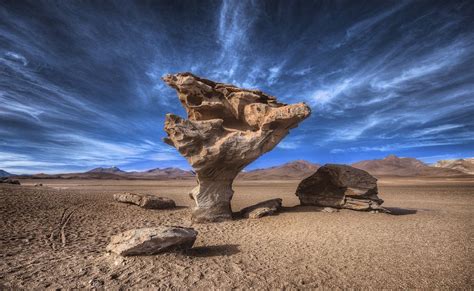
391,157
165,170
300,165
4,173
299,162
292,170
106,170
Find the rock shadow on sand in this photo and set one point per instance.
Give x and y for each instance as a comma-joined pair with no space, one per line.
301,208
401,211
304,208
214,251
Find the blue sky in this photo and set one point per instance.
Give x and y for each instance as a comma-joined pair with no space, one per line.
80,81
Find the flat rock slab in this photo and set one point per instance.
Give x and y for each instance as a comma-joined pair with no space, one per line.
152,240
268,207
145,200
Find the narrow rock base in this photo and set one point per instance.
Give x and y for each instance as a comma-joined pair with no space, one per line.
217,213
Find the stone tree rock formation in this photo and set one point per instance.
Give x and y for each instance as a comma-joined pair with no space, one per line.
227,128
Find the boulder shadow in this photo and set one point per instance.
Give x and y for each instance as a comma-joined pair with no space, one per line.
401,211
168,209
309,208
237,216
213,251
302,208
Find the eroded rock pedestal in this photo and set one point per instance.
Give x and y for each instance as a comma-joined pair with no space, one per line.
227,128
340,186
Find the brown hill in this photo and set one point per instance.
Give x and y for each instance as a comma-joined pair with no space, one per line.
115,173
463,165
113,170
297,170
395,166
290,171
166,173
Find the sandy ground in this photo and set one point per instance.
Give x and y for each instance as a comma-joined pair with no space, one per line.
428,244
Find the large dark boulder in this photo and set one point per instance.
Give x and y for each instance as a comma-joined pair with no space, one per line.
340,186
7,180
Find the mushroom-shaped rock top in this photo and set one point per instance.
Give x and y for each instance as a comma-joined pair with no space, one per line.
227,128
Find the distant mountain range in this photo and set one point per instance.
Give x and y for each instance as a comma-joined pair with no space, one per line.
463,165
290,171
113,170
296,170
395,166
115,173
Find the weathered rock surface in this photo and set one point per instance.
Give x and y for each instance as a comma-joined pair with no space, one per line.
153,240
340,186
261,209
227,128
145,200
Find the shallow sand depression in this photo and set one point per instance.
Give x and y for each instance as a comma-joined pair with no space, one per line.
426,244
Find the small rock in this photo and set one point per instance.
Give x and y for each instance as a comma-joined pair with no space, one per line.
96,283
145,200
153,240
261,209
153,202
329,210
39,185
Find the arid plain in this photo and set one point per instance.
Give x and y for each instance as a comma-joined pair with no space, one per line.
425,243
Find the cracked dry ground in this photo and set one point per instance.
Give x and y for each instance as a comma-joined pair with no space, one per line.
428,244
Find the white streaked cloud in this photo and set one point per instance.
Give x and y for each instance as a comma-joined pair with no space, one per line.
16,57
289,145
325,95
379,77
435,130
88,152
388,148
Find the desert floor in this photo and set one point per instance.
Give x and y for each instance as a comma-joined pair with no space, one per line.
427,244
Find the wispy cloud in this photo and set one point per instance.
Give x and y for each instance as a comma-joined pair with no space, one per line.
380,78
289,145
388,148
